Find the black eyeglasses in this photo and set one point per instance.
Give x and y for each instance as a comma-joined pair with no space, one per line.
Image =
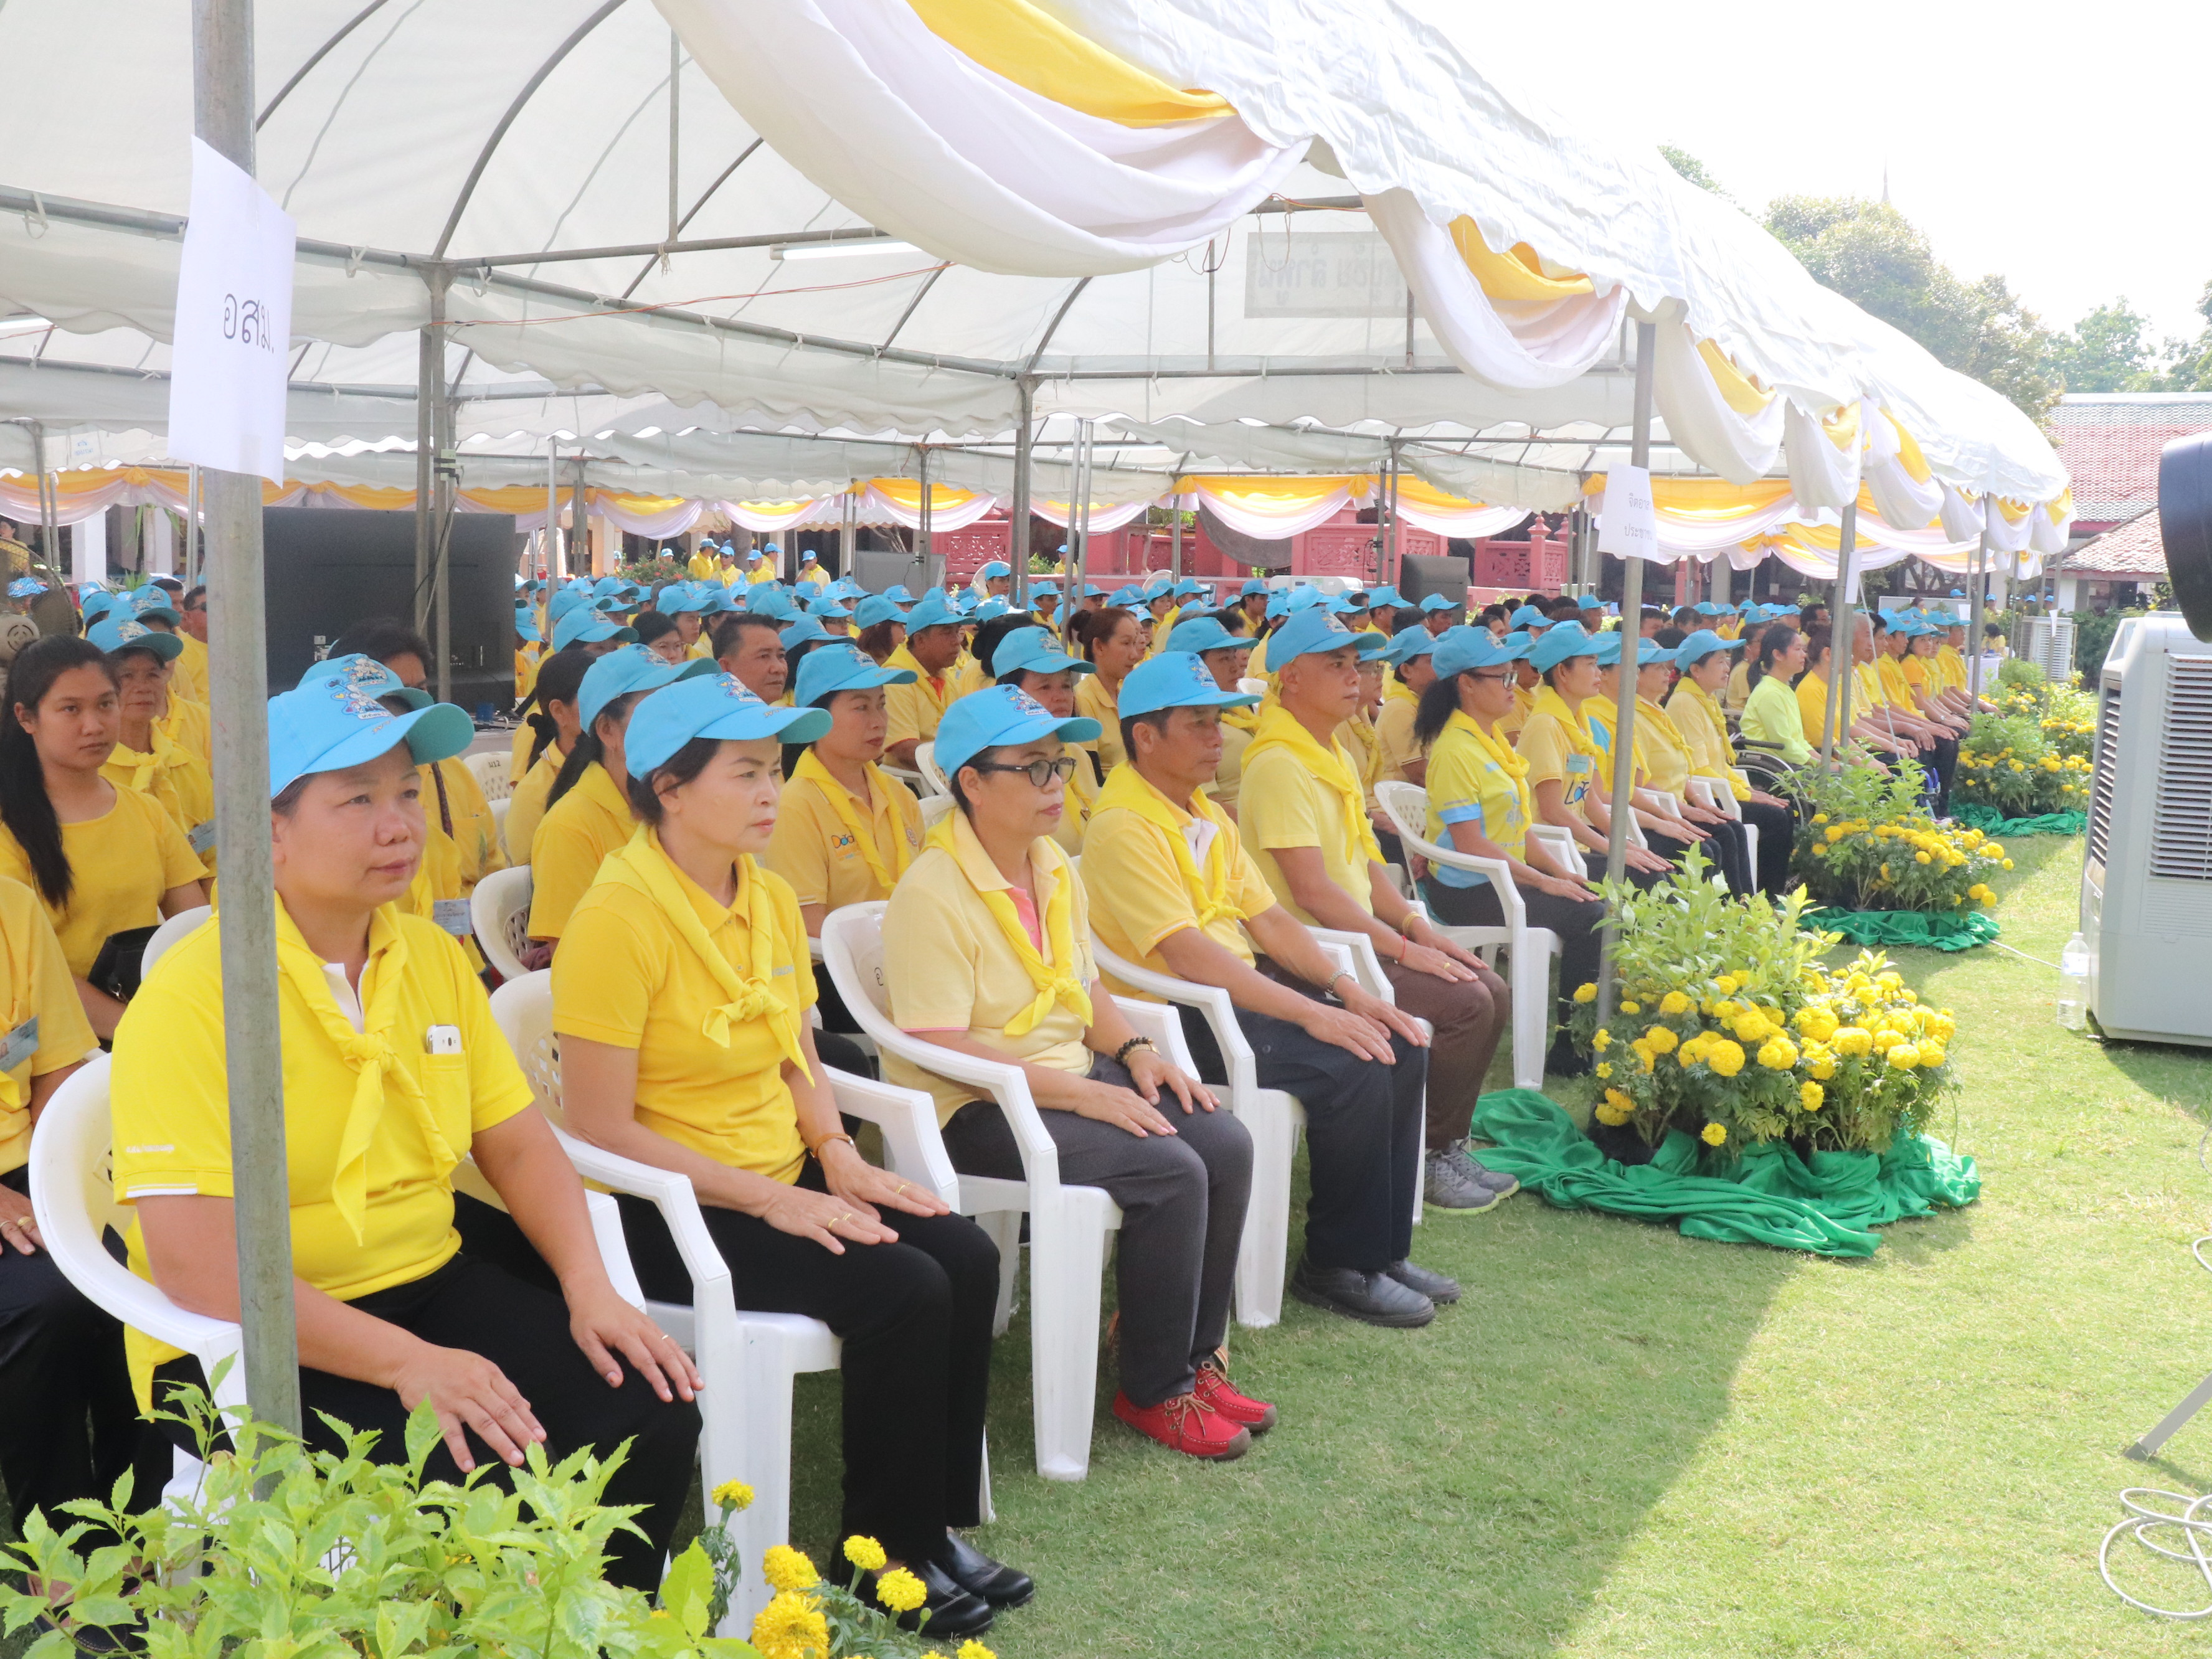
1040,772
1497,677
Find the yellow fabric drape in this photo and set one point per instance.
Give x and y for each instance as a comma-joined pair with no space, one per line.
1035,50
1739,391
1516,274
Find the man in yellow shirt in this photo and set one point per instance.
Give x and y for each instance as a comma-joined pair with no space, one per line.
702,566
931,649
1172,888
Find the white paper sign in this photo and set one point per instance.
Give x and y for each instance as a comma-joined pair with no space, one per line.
1628,521
234,331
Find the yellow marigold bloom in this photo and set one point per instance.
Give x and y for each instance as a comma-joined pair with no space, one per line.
1820,817
1631,1007
788,1569
1853,1040
1923,858
1932,1054
1725,1058
1820,1063
973,1650
1713,1134
1586,993
1605,1068
1810,1095
1642,1050
1674,1003
1659,1039
1618,1102
1904,1056
866,1554
901,1591
1835,832
1614,1116
1817,1024
733,1495
1751,1026
1995,850
2007,864
1884,1040
1727,983
1601,1039
792,1626
1778,1054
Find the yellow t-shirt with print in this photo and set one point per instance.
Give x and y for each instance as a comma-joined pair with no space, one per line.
912,711
1554,756
624,976
42,1024
811,849
1468,785
122,862
586,824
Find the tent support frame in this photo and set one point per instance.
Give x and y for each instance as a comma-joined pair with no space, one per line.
1623,725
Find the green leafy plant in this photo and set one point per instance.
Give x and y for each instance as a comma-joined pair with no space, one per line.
285,1553
2010,763
1867,843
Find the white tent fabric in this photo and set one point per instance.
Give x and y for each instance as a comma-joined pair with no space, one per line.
1824,474
1740,444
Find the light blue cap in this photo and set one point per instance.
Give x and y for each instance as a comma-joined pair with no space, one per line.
588,628
1386,594
1590,601
1313,630
1707,608
992,608
1701,644
1175,680
633,668
1092,591
827,607
1528,617
1557,644
897,590
678,599
364,674
1190,586
1413,642
995,568
326,725
842,667
1608,650
26,587
1127,596
997,716
1252,585
1031,651
770,602
712,705
526,625
805,631
1435,602
932,612
98,602
1304,597
1200,634
112,633
152,601
1458,649
878,608
1279,604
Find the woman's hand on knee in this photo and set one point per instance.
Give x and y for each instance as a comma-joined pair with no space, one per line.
862,1185
826,1218
1152,1073
1125,1108
467,1391
604,1325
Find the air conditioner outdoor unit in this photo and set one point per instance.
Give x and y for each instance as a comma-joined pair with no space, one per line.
2147,877
2046,642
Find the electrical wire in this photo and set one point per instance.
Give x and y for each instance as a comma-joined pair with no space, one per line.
2191,1517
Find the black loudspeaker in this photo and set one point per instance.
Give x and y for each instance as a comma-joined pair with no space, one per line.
1419,577
328,569
2184,517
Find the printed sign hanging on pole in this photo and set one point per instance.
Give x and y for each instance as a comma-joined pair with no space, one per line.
230,358
1628,521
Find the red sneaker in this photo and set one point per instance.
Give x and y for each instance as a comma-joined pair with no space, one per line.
1218,1395
1184,1425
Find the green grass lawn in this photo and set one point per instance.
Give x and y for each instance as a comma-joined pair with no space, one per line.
1625,1441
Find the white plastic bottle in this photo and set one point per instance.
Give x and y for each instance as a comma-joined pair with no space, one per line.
2073,983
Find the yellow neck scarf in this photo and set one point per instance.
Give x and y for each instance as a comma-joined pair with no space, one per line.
1279,729
146,766
1549,702
848,814
1244,719
643,866
378,1074
1714,718
1507,759
1209,893
1661,726
1056,981
938,690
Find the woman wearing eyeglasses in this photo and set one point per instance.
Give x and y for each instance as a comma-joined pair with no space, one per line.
986,946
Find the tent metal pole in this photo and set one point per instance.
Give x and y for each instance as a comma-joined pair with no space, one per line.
1623,725
551,543
446,478
49,509
580,531
1086,434
1974,603
429,383
1018,528
223,99
195,566
925,532
848,531
1847,546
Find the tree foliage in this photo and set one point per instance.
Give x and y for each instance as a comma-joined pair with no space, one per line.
1693,169
2107,352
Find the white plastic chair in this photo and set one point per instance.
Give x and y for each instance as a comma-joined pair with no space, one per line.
499,912
1252,688
746,1359
1067,1224
170,933
499,817
912,779
491,769
932,776
934,807
73,1197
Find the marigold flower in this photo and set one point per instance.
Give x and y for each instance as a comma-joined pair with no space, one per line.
733,1495
792,1626
1725,1058
1674,1003
1923,858
1904,1056
1727,983
1586,993
1884,1040
1601,1039
788,1569
1853,1040
1820,1063
1778,1054
901,1591
1810,1095
2007,864
1661,1040
1614,1116
1751,1026
1713,1134
866,1554
1631,1007
1618,1102
1932,1054
1604,1068
973,1649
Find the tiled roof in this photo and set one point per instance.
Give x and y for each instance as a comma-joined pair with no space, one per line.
2134,551
2110,442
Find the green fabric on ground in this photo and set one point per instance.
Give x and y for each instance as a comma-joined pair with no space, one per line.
1768,1195
1961,931
1990,822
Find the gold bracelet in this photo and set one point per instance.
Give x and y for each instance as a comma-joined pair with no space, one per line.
815,1151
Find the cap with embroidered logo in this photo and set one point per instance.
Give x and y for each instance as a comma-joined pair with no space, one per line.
998,717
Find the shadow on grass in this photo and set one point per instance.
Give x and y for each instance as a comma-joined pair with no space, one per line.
1465,1488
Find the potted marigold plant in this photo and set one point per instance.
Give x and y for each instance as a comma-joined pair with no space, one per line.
1868,845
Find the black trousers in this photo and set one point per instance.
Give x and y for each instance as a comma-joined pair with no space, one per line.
915,1318
1363,1130
1777,834
1577,922
523,1330
1945,762
69,1427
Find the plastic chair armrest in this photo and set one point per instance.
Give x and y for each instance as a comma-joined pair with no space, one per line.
1157,1022
668,1192
907,1119
1210,1001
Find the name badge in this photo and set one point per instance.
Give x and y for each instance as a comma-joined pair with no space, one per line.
1578,762
20,1044
442,1040
452,915
202,836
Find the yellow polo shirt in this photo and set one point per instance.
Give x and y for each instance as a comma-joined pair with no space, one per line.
1738,691
1467,786
525,802
188,671
1228,783
811,849
1553,758
1706,732
1357,738
1896,685
191,726
475,832
1083,787
525,670
586,824
1138,895
763,572
1394,731
625,977
912,711
1524,704
42,1024
172,1109
1950,669
1813,706
702,566
122,861
1094,702
950,969
172,775
1280,804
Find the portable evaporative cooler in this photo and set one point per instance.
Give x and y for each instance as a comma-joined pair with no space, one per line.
2147,880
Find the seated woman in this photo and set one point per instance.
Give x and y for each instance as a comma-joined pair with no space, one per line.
1771,718
1666,762
555,729
1703,663
986,950
1566,767
681,1003
108,863
393,1073
1028,660
587,815
1479,804
145,757
1112,643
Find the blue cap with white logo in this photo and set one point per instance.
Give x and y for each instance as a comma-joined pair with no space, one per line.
805,631
897,590
826,606
1412,643
526,625
996,568
1701,644
1176,679
997,717
327,724
1529,617
1314,631
365,674
1032,651
1458,649
588,628
1435,602
1199,635
1387,595
1590,601
98,602
1558,644
877,608
842,667
1252,585
932,612
113,633
633,668
714,705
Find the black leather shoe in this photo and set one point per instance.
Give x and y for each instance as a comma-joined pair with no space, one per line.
1438,1287
953,1612
1372,1298
1001,1585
